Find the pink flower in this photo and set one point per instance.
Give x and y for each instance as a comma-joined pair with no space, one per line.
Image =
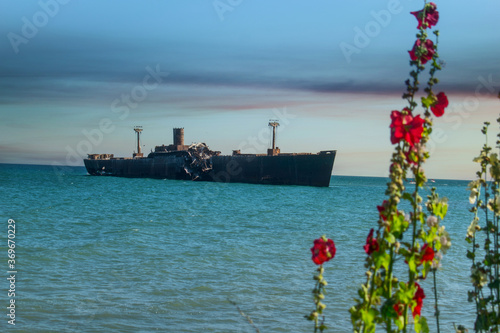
427,48
430,18
406,127
440,105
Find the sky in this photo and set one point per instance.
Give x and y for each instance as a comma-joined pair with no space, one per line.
77,76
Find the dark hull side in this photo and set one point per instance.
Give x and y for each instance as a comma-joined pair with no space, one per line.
293,169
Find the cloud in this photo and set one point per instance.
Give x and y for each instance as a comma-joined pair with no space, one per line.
61,68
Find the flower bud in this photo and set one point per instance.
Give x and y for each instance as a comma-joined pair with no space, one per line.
432,221
313,315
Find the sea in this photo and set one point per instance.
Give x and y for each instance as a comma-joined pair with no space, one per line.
107,254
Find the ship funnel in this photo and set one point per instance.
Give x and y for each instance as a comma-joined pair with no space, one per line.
178,136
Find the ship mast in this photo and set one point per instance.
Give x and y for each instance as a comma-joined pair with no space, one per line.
138,130
274,150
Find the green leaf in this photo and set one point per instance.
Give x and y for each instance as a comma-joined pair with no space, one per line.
495,284
421,325
440,209
429,238
400,322
398,225
470,255
368,318
428,101
412,265
382,260
487,260
370,328
390,238
481,322
427,268
408,196
387,310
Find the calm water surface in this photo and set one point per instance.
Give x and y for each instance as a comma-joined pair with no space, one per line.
104,254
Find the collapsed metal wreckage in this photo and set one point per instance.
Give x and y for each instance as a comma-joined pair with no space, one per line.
198,160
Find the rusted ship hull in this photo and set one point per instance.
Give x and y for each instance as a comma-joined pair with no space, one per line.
282,169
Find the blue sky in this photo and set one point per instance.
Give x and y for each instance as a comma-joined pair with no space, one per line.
77,76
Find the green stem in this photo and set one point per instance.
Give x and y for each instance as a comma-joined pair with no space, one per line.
496,255
389,284
436,299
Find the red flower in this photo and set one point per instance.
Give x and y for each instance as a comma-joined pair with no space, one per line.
431,16
427,253
323,250
398,308
381,210
412,156
428,49
371,244
419,298
440,105
406,127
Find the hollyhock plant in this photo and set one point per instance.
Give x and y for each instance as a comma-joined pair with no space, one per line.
405,239
441,104
427,17
482,235
426,51
406,127
323,250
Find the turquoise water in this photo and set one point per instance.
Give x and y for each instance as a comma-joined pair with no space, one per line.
105,254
